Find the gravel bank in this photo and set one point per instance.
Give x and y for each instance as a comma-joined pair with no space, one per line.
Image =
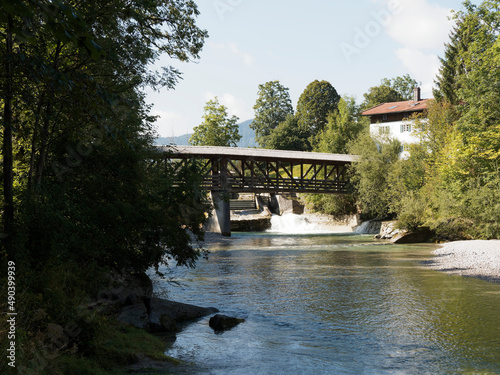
480,259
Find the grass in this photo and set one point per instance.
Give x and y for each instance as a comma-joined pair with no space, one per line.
115,347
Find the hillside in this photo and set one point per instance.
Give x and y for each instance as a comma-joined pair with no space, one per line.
247,137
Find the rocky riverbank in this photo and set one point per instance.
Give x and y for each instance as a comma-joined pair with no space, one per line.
479,259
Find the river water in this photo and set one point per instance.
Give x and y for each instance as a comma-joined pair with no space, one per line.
333,303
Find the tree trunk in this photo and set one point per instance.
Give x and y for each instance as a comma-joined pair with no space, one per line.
8,175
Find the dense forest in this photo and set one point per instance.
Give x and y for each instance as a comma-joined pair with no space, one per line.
84,191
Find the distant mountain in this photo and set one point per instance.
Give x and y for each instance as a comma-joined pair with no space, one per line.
247,137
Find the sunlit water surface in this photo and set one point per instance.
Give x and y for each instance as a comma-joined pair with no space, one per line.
334,304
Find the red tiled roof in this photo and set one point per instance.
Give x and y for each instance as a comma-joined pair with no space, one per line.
397,107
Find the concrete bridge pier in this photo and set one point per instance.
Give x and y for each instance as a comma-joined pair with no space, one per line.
220,221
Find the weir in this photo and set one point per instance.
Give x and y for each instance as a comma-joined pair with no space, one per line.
229,170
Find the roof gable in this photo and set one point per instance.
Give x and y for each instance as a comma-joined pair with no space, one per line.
406,106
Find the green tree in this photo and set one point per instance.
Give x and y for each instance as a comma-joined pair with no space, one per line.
272,107
217,128
390,90
343,127
67,66
402,85
370,175
85,189
289,135
316,102
380,94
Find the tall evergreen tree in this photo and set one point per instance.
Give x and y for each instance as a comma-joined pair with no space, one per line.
272,108
453,64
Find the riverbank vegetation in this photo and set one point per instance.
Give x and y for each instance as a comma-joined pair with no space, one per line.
84,191
451,180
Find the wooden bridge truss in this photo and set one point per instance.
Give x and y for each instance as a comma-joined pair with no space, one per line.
228,169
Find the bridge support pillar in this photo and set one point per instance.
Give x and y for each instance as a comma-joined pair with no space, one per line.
220,221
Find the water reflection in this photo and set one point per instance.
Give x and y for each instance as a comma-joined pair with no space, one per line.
333,304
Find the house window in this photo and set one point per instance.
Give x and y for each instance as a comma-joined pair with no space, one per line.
405,128
384,117
384,130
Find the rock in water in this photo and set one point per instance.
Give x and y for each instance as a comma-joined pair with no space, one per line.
220,322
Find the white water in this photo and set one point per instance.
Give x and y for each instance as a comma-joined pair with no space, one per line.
368,227
294,224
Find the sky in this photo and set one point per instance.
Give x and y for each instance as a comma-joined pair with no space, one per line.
351,44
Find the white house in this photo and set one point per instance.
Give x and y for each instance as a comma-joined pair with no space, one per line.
392,119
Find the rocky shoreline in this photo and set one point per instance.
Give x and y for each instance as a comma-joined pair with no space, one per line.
477,258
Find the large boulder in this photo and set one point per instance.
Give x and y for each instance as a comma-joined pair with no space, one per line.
128,288
220,322
420,235
164,314
135,315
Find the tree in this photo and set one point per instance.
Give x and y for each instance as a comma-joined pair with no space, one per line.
402,85
91,193
272,108
343,127
478,93
67,67
390,90
217,129
289,135
371,174
380,94
316,102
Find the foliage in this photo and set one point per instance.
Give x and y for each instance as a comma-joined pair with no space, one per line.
217,129
289,135
372,172
380,94
402,85
84,190
316,102
114,346
452,64
343,126
451,179
272,107
332,204
390,90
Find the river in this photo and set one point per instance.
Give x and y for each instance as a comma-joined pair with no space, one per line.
334,303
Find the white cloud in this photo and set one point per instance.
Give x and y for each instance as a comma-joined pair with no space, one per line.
235,106
171,124
245,57
420,24
421,66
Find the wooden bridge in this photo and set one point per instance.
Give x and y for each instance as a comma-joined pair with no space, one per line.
231,169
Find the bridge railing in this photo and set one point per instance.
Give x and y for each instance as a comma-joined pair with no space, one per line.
271,184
